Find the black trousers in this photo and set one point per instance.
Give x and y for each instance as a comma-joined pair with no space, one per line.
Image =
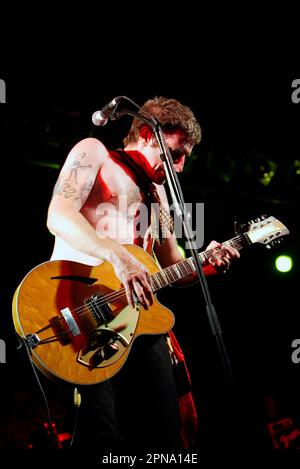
137,409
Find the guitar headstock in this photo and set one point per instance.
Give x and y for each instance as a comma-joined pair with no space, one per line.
266,231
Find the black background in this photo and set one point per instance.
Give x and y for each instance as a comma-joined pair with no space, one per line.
233,65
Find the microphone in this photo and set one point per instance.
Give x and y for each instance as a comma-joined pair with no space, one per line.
101,117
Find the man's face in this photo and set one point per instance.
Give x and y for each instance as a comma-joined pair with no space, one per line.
179,148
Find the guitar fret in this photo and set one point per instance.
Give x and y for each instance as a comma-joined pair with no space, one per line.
179,265
164,277
158,281
176,272
161,279
184,268
169,275
233,243
238,242
191,264
204,256
155,283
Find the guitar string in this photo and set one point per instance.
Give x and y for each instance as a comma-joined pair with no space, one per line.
111,296
119,294
238,242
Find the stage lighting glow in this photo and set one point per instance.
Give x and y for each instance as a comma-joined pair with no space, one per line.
182,251
261,168
284,263
293,174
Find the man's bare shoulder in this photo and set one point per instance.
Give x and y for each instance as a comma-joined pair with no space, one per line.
78,173
93,147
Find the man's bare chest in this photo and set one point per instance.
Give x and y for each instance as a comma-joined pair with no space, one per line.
117,188
118,182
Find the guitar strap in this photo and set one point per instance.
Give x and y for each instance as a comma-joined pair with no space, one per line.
161,221
187,408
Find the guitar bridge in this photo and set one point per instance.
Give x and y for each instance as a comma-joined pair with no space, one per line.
67,315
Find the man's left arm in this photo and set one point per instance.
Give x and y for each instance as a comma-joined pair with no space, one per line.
168,252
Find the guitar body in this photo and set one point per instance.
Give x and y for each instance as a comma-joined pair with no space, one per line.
77,322
75,318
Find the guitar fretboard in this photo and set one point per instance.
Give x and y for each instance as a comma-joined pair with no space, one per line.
186,267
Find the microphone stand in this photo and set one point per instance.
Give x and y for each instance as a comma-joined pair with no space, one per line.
180,207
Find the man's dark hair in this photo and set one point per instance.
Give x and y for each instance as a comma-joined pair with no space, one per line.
172,115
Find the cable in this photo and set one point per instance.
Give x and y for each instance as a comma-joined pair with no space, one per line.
77,402
50,421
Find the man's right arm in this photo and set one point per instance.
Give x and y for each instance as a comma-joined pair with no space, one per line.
72,189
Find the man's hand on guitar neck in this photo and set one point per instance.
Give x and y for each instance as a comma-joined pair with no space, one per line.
221,256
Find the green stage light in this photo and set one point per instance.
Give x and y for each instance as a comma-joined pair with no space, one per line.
284,263
45,164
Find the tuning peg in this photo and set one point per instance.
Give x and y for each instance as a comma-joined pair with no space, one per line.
242,227
273,243
257,220
238,228
263,216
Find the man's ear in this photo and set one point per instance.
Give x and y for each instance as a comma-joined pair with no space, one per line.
146,133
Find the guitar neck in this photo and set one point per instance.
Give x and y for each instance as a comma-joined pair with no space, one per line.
186,267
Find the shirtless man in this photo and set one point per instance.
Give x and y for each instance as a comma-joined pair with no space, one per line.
93,212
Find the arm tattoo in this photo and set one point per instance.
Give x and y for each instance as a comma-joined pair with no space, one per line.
64,189
64,186
84,191
75,166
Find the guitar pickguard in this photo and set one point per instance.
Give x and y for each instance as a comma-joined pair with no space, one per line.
110,341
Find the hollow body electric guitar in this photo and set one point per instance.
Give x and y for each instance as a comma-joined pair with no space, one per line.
76,321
